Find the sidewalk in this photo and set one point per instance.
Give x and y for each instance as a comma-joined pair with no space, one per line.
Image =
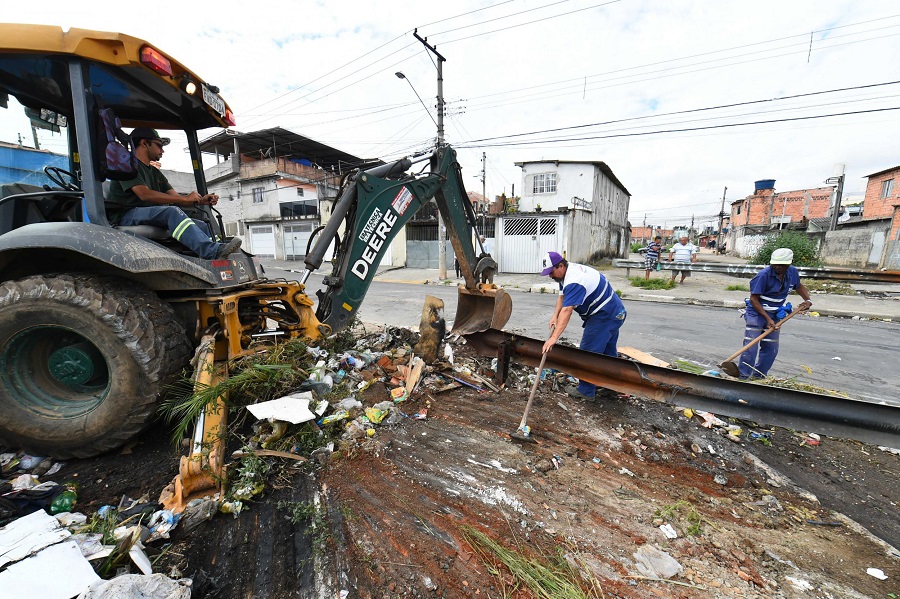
700,289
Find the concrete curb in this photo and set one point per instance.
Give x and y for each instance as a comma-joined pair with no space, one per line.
713,303
649,297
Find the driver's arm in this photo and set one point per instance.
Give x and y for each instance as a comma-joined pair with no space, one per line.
168,198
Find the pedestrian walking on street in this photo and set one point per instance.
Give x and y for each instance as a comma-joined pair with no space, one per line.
651,257
767,306
683,251
584,290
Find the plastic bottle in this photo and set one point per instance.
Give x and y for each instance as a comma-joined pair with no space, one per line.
65,501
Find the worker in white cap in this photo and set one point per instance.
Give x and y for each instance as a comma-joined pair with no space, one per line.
767,306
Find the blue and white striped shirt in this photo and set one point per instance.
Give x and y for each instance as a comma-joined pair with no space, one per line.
589,292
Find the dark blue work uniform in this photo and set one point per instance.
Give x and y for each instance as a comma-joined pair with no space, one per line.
773,293
602,312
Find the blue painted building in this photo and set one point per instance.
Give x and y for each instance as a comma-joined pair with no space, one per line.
20,164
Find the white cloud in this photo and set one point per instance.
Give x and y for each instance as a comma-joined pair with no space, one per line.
509,82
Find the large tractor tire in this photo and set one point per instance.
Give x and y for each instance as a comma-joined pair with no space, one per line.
83,360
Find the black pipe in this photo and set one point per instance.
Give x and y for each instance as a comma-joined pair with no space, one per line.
835,416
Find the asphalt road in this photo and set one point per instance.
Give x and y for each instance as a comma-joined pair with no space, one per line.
845,355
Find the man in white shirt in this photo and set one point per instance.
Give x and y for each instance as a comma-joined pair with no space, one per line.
683,251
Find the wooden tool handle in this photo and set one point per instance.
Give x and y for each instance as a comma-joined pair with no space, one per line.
759,338
537,381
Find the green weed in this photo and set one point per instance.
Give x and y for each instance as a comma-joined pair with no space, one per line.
311,515
549,577
738,287
652,283
683,510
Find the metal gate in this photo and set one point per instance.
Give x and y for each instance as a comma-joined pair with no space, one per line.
262,240
523,240
296,238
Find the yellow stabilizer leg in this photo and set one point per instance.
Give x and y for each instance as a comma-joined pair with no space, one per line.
202,472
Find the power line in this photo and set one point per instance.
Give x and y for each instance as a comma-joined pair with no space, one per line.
521,89
581,78
655,77
464,14
799,118
565,14
691,110
509,16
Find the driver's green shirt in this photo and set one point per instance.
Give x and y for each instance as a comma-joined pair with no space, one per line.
121,198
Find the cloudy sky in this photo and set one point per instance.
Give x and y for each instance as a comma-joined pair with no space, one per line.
681,98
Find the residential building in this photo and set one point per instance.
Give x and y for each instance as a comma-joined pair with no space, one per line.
275,187
644,234
577,208
766,208
882,193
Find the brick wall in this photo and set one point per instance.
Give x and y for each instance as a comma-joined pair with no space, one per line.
876,206
892,250
648,233
766,207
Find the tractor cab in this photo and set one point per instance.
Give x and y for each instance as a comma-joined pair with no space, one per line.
94,88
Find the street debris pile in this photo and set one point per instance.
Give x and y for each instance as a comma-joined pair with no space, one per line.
793,382
357,470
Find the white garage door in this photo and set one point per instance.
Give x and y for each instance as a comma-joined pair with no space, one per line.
524,240
262,241
296,238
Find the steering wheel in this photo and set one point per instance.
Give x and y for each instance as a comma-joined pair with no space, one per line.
55,174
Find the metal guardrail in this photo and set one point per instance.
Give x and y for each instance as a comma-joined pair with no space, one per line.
800,410
836,273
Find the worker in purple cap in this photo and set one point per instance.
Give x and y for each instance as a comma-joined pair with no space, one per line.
584,290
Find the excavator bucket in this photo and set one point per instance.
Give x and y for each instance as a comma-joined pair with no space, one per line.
480,309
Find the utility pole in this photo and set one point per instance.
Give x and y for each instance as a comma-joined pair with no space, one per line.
835,213
483,191
721,218
644,229
442,233
37,144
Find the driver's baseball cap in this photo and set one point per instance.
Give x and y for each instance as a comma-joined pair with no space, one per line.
148,133
551,259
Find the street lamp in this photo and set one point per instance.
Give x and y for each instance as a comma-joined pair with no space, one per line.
839,181
400,75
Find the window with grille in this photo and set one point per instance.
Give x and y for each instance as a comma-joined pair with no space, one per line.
231,229
548,226
887,187
544,183
300,191
258,195
520,226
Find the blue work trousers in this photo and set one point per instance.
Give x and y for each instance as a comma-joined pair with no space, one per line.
756,361
600,336
192,233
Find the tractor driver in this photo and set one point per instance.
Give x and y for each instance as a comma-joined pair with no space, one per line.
149,199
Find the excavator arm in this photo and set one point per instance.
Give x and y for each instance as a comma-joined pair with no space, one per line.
374,205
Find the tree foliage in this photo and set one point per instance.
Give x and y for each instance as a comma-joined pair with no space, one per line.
804,248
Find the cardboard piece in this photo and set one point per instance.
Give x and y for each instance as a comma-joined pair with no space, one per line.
57,572
29,534
290,408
